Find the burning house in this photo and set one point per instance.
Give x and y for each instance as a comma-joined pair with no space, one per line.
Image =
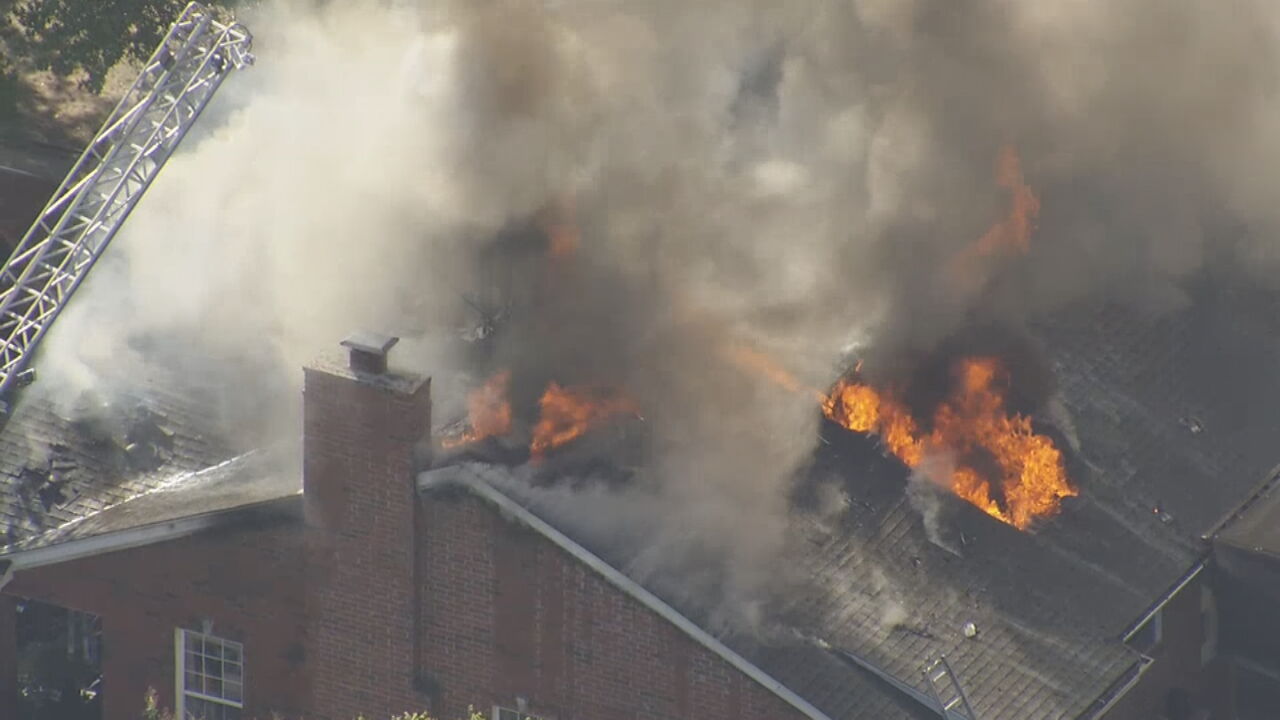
842,363
917,531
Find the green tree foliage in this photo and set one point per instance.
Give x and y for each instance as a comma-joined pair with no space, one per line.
86,37
152,711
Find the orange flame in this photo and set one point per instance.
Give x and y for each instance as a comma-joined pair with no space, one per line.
488,411
567,413
754,361
1014,231
972,422
559,222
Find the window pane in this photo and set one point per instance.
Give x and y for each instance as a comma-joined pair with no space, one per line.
201,709
198,709
215,670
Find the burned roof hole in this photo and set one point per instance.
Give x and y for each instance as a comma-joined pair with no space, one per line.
33,478
50,487
56,494
95,431
148,443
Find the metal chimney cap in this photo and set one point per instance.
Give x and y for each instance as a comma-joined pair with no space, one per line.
369,351
369,342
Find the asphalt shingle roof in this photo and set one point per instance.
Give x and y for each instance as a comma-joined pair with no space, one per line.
1171,420
244,481
61,463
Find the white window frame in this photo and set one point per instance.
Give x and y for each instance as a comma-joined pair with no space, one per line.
506,713
181,692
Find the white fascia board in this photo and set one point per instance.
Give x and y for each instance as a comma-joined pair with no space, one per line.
109,542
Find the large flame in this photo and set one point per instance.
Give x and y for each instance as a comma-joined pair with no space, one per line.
488,412
971,425
567,413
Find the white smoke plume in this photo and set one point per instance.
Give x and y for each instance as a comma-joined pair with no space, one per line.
925,489
792,174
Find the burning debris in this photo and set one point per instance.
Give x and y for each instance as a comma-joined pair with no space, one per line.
1001,464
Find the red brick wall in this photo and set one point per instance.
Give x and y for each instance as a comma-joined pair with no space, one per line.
1177,665
507,614
249,582
8,654
358,473
385,602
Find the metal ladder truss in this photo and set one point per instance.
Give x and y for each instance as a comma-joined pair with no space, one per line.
946,690
110,177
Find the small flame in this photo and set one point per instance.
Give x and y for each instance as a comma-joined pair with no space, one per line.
567,413
559,222
488,411
758,363
973,421
1012,233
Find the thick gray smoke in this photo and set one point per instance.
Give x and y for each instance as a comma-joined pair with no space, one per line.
792,175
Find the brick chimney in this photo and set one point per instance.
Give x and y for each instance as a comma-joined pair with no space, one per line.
362,427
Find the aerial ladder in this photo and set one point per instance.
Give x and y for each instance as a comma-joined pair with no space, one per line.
104,185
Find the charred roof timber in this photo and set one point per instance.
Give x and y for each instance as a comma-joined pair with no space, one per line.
368,351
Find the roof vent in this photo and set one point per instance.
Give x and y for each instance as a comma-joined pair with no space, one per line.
369,351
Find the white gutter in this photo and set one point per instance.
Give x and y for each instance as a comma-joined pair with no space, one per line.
516,511
108,542
1177,588
1144,664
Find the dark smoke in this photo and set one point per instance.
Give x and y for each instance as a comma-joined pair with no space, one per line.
799,176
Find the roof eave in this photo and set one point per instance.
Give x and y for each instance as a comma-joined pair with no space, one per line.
143,535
